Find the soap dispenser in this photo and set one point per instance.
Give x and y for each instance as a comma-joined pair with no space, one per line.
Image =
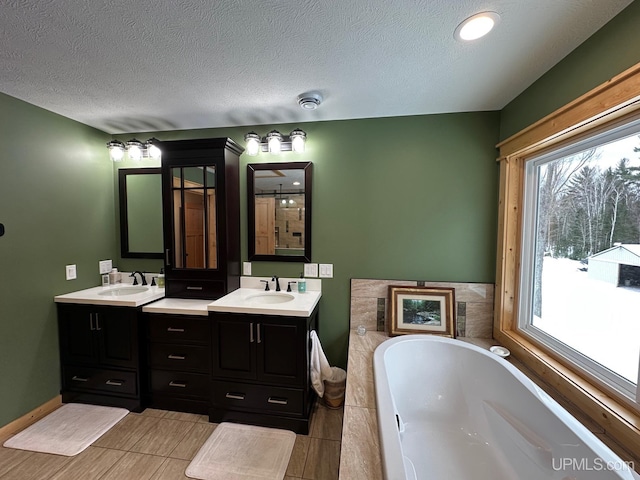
161,278
114,276
302,284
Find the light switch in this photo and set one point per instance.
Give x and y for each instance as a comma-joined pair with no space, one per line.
310,269
246,268
70,272
326,270
105,266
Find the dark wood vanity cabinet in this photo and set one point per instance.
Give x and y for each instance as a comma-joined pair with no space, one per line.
261,369
201,216
100,355
179,360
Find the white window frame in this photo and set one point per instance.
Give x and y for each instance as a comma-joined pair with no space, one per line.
587,366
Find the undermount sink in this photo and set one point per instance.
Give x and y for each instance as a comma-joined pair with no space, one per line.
120,291
270,298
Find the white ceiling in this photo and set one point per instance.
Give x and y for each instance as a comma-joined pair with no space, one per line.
142,65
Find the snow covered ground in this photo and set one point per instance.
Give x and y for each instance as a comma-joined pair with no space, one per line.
600,320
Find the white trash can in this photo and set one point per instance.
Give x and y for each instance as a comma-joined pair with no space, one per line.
334,388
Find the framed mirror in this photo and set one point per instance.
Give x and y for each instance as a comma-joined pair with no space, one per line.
279,204
140,192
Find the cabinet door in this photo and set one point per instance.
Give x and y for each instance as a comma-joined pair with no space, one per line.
77,334
234,354
281,353
117,336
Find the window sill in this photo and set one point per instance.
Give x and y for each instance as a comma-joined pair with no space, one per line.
618,421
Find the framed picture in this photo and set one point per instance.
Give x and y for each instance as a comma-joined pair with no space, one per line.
421,310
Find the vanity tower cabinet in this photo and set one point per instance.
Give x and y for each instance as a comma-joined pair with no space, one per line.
261,369
201,215
179,361
100,355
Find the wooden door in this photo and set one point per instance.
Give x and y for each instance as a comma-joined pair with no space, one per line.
194,231
265,214
234,354
77,334
117,334
280,351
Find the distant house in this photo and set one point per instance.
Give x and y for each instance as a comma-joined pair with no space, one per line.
618,265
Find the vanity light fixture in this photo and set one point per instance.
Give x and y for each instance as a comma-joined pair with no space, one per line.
136,150
476,26
274,142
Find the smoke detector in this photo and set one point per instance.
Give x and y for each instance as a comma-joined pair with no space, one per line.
309,101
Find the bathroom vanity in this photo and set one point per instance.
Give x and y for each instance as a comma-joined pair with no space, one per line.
242,358
261,355
178,333
101,350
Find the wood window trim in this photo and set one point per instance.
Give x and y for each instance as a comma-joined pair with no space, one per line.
617,98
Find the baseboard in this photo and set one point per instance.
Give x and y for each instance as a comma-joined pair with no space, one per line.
30,418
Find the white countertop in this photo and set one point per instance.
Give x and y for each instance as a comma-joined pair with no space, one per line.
179,306
241,301
92,296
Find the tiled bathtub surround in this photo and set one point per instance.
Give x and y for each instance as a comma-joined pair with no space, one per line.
474,305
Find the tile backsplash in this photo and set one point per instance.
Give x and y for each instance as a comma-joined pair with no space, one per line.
474,305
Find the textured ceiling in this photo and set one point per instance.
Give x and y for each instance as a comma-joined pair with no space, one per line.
142,65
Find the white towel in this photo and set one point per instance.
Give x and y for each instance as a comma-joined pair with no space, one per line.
320,368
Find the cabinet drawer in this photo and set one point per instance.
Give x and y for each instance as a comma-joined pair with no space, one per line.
108,381
179,329
179,383
171,356
258,398
209,289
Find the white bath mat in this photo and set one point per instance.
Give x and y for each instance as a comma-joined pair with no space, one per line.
243,452
68,430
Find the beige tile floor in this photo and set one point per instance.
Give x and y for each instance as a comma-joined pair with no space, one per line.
158,445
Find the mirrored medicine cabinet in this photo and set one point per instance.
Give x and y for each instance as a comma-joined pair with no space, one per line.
279,211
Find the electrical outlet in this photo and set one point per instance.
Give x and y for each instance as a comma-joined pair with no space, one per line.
105,266
310,270
246,268
70,272
326,270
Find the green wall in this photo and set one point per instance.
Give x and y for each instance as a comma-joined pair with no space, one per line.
394,198
56,203
403,198
608,52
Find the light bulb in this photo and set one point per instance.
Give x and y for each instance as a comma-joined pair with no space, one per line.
134,149
477,26
154,152
135,153
298,139
274,139
116,154
253,143
116,150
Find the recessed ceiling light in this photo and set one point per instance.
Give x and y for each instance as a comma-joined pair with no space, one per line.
476,26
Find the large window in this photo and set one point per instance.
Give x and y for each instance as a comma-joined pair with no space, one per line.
580,261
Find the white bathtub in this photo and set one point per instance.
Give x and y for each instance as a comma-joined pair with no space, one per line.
448,410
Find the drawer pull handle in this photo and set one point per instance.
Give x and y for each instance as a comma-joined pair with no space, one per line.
194,288
79,379
177,384
279,401
176,357
259,336
251,332
115,383
172,329
235,396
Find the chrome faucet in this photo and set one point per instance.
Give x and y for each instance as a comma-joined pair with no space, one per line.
277,280
135,279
